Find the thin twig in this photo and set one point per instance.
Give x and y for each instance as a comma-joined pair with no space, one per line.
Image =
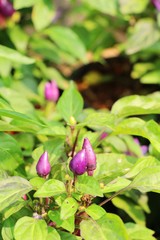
114,195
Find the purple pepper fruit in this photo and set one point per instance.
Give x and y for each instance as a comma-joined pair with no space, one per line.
90,156
6,8
78,164
51,91
43,166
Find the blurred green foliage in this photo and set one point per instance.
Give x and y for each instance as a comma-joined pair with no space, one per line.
46,37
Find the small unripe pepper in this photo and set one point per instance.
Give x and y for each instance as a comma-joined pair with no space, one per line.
78,164
43,166
90,156
51,91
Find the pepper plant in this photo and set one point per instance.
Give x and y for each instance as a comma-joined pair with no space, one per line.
61,166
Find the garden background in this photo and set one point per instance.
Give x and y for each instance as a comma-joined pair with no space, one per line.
69,71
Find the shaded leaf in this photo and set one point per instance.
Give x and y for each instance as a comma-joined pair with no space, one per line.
132,209
12,189
73,45
11,155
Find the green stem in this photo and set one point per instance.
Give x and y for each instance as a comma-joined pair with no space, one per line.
75,143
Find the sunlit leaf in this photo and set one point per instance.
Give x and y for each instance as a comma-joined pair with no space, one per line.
70,104
108,227
68,208
14,56
50,188
30,228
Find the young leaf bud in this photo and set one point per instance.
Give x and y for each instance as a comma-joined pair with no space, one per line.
78,164
51,91
43,166
90,156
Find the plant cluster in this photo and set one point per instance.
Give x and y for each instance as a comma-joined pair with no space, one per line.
63,164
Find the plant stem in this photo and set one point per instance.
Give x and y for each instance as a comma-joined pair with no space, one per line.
75,143
74,180
114,195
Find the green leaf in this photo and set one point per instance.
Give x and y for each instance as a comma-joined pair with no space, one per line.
132,6
5,67
68,236
37,182
109,7
72,46
142,163
70,103
53,234
18,37
132,209
68,208
52,73
145,34
46,48
42,9
5,126
14,56
108,227
99,120
30,228
139,232
14,208
136,126
135,105
112,165
22,121
151,77
17,100
7,229
50,188
10,152
55,128
153,133
88,185
95,211
18,4
55,148
12,189
55,217
69,224
147,180
116,185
